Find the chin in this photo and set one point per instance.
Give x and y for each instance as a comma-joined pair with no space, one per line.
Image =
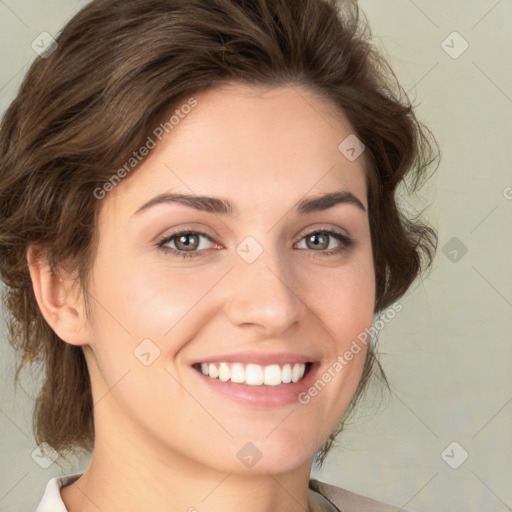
262,456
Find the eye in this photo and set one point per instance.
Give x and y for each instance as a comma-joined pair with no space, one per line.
187,243
184,244
320,241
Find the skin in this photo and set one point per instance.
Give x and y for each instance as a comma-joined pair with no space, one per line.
163,441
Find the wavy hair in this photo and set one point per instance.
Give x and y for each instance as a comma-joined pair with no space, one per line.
119,67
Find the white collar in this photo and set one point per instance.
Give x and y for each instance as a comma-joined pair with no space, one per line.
52,500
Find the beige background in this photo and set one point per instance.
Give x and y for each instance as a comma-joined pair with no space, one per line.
448,353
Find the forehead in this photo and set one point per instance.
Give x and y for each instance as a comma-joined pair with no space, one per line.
256,146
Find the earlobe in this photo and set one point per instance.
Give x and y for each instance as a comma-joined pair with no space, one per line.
62,309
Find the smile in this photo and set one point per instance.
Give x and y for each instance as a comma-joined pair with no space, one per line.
254,374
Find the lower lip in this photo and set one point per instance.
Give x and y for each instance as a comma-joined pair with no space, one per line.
261,396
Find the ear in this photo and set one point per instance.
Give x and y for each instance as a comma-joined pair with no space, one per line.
59,303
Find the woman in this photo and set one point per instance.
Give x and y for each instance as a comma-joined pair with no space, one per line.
198,226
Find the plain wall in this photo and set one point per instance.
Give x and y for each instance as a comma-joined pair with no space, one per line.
448,353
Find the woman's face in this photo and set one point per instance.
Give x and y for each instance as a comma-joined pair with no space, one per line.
263,288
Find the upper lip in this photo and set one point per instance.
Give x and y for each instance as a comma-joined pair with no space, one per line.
258,358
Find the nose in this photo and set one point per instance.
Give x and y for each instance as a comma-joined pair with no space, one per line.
264,293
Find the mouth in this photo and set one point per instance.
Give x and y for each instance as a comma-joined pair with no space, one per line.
256,379
251,374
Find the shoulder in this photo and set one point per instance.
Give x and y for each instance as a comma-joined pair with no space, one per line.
347,501
52,501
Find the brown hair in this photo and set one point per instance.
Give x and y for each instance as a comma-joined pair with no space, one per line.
119,67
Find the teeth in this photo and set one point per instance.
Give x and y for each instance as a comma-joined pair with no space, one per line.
297,373
237,373
213,371
224,373
272,375
286,373
254,374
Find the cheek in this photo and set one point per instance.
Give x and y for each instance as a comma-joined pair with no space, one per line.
165,300
143,297
137,302
345,300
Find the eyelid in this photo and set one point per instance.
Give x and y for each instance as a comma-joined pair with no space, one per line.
162,240
316,229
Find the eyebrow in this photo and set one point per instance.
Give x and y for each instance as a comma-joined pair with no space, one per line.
222,206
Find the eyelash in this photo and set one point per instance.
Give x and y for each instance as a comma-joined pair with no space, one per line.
346,243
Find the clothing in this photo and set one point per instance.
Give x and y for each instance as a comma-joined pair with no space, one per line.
322,498
347,501
52,502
